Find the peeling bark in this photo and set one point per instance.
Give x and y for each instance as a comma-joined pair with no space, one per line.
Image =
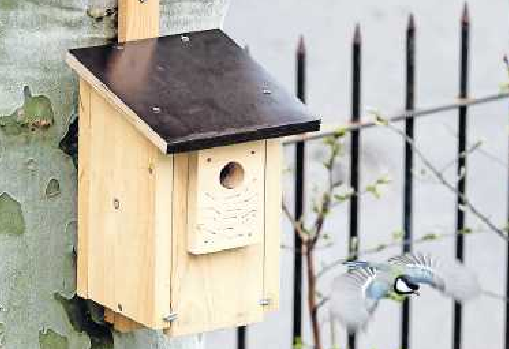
38,103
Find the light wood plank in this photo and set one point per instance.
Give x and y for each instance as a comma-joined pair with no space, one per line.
163,236
83,189
212,291
122,239
120,323
273,200
102,219
138,20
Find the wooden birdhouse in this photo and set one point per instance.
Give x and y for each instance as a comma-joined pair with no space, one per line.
179,181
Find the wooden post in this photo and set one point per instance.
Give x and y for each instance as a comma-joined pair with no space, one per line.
138,19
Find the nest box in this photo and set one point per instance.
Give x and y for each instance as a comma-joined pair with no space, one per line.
179,181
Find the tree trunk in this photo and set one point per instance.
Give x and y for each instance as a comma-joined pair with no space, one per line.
38,102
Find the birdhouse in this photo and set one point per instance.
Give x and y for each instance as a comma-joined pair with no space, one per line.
179,181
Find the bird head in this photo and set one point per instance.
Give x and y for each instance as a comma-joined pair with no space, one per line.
403,286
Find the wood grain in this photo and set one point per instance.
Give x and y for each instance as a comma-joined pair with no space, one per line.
121,226
138,20
83,189
273,200
210,291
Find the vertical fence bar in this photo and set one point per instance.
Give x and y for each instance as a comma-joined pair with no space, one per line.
241,337
299,201
408,171
462,163
354,155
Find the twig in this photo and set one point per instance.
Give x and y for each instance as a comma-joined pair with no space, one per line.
448,185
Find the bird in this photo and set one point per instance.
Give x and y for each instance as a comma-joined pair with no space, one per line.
355,294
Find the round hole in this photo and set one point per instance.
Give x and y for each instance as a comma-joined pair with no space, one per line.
231,175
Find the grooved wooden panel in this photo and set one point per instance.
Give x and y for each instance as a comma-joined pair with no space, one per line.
210,291
273,201
230,214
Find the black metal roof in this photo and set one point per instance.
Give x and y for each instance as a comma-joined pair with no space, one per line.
198,90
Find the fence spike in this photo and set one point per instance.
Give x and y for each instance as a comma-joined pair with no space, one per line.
357,37
411,22
301,48
465,16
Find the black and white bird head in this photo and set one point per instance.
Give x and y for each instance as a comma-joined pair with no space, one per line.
403,286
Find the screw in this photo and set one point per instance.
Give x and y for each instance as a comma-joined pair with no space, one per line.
264,302
156,110
143,1
116,204
170,318
150,169
253,152
120,307
267,92
185,38
209,160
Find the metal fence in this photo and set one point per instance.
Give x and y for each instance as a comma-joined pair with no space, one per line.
355,127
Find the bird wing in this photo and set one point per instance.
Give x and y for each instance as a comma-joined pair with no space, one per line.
449,277
356,294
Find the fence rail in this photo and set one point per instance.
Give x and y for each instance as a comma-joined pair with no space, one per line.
355,126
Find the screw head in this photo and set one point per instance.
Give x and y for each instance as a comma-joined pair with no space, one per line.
116,204
155,109
267,91
120,307
185,38
119,47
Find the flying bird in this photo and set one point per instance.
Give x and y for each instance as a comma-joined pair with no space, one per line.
356,294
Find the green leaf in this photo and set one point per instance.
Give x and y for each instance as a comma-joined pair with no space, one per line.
385,179
465,231
354,243
430,236
398,234
297,343
372,188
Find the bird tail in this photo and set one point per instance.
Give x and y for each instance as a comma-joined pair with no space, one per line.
356,264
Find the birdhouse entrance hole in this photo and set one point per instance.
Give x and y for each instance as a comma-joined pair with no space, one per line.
232,175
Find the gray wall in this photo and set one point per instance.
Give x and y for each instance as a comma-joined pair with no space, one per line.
271,29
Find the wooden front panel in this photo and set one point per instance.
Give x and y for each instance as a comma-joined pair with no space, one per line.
226,197
215,290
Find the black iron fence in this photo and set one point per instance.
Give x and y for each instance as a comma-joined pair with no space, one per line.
355,127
